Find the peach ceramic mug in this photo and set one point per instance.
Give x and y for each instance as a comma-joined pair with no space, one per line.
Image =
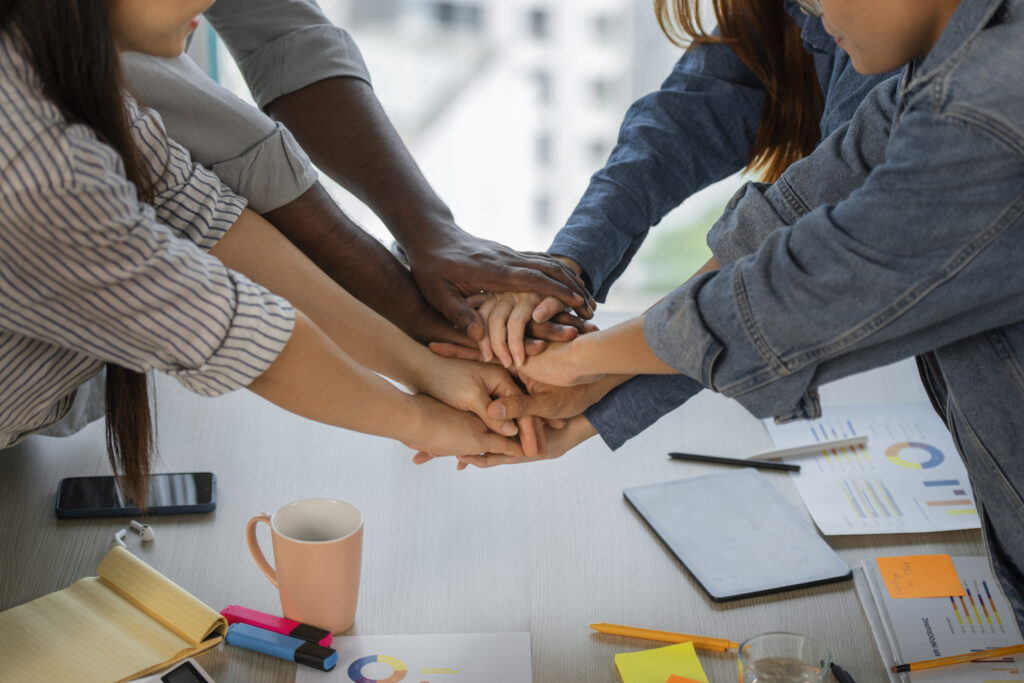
318,548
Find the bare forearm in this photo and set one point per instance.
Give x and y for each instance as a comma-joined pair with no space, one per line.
313,378
360,264
255,248
363,152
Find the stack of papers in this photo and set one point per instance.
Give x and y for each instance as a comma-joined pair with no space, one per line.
974,615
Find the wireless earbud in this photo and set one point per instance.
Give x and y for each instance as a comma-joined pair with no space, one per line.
119,538
144,530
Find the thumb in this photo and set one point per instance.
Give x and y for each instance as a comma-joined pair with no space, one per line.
461,314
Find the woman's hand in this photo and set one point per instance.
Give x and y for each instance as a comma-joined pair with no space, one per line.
560,441
443,430
471,387
559,365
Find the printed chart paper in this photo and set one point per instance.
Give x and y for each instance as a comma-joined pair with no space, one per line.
919,629
435,658
908,479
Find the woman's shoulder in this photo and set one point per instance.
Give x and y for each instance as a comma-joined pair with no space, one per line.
37,144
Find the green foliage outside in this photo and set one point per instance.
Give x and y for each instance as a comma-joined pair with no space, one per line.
674,250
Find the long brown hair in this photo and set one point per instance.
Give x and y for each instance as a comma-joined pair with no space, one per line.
70,44
769,43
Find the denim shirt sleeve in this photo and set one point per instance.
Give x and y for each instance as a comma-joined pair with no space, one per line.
697,129
742,227
634,406
904,264
284,45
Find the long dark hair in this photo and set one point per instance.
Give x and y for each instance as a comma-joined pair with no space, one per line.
70,44
769,43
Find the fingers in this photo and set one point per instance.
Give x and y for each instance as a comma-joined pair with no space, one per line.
449,350
534,347
497,331
492,443
549,278
581,325
524,405
547,309
552,331
485,311
459,312
530,437
542,445
490,460
517,322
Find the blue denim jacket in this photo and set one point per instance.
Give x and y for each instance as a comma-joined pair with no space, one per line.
901,235
697,129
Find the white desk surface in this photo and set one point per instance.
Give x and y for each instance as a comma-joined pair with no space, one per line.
545,547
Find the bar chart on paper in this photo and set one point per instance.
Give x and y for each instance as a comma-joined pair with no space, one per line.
909,477
925,628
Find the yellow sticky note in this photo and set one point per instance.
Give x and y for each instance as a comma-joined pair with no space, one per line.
655,666
920,576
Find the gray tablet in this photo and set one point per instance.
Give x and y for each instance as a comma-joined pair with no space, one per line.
736,535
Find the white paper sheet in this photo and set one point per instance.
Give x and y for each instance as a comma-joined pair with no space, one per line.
908,479
434,658
918,629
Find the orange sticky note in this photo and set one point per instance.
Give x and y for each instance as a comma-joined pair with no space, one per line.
920,576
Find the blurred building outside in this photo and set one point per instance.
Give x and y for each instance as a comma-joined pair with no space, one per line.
509,106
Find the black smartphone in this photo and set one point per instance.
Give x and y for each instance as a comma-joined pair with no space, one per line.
169,494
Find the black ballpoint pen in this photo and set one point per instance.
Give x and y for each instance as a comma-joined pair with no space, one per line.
841,675
740,462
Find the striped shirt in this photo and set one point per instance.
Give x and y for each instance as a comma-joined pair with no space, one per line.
89,274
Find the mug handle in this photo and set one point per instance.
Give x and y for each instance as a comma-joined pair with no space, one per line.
254,546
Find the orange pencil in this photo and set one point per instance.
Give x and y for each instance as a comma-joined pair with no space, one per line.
681,679
959,659
701,642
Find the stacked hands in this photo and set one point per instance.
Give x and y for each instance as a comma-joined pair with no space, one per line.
509,378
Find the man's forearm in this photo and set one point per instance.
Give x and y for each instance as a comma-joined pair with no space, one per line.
363,153
363,266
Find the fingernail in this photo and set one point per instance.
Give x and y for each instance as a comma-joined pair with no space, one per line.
509,429
497,412
519,359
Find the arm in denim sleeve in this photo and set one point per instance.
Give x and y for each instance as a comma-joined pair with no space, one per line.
284,45
697,129
635,405
925,253
743,226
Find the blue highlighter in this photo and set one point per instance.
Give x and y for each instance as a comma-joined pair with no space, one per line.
282,646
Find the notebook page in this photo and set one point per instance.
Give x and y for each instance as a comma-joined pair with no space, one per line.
158,596
85,632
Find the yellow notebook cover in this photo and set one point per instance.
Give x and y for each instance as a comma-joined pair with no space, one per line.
127,622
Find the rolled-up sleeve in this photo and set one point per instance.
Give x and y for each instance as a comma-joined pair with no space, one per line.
284,45
120,286
252,154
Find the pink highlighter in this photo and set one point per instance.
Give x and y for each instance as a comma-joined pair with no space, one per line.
236,614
